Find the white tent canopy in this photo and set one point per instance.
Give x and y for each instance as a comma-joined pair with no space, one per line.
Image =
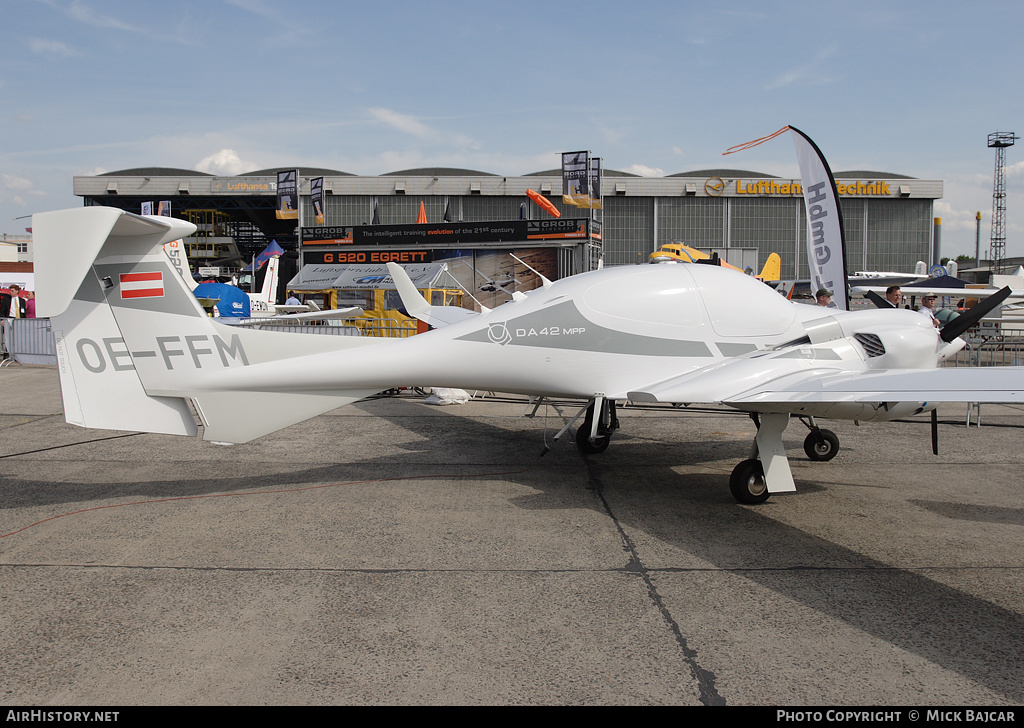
322,277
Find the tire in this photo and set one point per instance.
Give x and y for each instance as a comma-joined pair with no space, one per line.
826,450
747,483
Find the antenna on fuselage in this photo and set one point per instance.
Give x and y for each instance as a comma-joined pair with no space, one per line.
544,281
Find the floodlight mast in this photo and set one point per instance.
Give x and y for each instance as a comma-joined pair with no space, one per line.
999,141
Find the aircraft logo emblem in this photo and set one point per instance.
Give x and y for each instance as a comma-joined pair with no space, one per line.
498,334
142,285
714,186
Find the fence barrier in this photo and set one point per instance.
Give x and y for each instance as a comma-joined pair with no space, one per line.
28,341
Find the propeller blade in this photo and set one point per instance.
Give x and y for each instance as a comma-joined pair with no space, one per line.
972,316
877,300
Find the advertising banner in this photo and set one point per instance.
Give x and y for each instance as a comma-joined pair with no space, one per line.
595,183
459,233
576,178
288,195
316,196
825,235
367,256
327,235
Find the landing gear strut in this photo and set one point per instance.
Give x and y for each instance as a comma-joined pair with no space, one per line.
594,434
766,471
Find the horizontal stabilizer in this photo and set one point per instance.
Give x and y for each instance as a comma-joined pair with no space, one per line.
236,417
61,266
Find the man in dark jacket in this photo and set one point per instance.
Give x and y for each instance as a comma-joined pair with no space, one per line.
13,305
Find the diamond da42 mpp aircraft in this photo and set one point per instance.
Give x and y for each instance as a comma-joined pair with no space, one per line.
135,347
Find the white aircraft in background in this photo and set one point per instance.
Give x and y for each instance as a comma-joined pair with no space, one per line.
135,347
261,305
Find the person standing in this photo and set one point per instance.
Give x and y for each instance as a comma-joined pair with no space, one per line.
928,307
823,297
12,305
894,296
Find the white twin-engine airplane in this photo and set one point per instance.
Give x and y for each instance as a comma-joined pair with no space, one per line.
135,348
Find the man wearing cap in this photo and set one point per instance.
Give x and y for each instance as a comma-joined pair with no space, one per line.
928,307
823,297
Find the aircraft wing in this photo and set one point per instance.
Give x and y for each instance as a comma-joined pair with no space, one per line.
938,291
824,386
290,318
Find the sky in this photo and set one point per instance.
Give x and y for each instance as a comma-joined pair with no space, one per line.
655,88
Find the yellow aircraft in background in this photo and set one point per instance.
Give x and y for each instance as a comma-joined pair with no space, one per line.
681,253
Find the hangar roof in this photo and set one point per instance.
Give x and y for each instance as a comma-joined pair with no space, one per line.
438,172
558,173
721,173
155,172
303,172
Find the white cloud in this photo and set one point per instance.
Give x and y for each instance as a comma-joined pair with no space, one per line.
85,14
1014,170
20,186
224,162
403,122
51,48
956,219
644,171
809,74
411,125
13,182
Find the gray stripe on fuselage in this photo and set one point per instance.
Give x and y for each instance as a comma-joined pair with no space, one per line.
564,327
731,350
809,353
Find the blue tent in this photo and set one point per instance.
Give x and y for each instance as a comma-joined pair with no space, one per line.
232,302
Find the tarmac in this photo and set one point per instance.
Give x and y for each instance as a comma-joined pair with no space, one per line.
394,552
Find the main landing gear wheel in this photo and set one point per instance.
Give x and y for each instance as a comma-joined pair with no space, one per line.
606,425
599,445
748,484
821,449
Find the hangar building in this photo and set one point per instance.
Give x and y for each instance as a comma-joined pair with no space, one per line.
889,218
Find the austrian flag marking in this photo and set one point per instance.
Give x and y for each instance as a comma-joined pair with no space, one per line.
142,285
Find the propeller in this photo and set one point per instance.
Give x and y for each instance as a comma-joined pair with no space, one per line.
973,315
877,300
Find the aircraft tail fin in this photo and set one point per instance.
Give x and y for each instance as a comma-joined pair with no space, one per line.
772,270
134,345
178,254
268,293
417,306
99,385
